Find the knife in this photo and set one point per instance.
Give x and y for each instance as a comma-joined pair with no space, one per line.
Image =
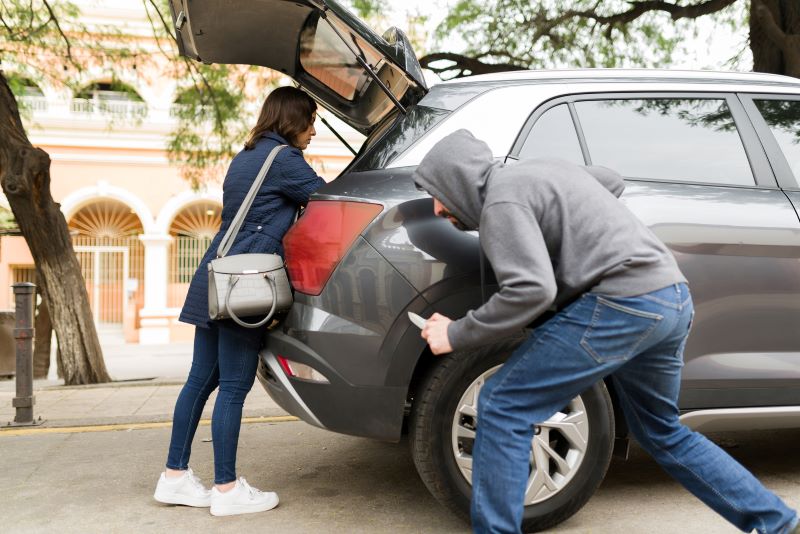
418,321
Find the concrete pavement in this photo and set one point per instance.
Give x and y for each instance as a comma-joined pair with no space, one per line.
102,482
72,475
147,382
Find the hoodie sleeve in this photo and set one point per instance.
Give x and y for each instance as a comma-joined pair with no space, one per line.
513,242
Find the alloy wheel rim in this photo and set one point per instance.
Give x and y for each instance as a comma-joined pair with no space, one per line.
558,446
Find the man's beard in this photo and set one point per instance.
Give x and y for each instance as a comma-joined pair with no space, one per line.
455,221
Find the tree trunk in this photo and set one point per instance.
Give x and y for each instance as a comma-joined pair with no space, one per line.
41,343
25,177
775,36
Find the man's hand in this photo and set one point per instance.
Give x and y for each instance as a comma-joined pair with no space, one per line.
435,333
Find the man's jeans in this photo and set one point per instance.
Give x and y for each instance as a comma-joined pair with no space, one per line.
640,340
225,355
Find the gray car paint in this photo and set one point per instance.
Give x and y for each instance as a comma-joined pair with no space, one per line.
738,246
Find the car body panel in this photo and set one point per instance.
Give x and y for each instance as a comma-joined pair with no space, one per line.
348,322
739,247
740,250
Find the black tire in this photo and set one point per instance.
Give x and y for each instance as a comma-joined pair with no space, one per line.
430,439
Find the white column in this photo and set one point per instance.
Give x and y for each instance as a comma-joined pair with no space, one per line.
155,316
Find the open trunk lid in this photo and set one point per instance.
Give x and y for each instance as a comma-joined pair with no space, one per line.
318,43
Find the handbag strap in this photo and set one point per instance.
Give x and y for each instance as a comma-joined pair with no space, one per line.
236,224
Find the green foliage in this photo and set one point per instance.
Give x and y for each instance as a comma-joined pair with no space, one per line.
211,107
48,41
8,225
21,86
572,33
367,8
45,41
211,123
782,115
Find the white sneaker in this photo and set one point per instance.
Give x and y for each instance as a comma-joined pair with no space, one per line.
242,499
186,490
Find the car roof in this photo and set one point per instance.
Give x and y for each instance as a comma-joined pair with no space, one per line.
631,75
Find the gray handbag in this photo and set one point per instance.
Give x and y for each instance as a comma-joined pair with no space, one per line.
244,285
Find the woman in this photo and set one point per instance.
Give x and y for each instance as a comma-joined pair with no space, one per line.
226,354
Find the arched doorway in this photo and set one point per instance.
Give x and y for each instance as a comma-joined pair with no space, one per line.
105,236
192,231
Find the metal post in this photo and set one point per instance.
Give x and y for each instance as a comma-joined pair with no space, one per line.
24,294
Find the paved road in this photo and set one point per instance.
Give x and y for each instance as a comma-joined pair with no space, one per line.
102,482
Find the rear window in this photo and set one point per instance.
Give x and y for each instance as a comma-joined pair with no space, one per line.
384,146
327,58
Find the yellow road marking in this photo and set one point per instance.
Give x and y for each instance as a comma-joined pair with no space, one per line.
16,431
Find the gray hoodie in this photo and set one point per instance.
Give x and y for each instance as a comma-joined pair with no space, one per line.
551,230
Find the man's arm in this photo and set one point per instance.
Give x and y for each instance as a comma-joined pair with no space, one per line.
513,243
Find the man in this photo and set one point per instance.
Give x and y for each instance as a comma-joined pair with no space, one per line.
556,234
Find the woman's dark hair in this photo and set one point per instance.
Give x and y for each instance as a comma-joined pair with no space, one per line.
287,111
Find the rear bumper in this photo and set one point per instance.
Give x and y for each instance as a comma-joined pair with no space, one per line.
339,406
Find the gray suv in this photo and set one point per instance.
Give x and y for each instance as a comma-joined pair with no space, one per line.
712,164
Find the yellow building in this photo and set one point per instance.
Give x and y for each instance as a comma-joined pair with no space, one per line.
138,228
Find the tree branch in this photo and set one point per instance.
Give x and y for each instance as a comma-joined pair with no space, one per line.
8,28
58,26
640,8
463,64
163,21
153,25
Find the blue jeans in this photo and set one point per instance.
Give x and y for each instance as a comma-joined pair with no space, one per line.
640,340
225,355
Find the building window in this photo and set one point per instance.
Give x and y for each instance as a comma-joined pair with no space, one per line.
19,274
109,98
192,232
28,94
105,236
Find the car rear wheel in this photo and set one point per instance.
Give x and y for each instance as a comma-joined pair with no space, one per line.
570,452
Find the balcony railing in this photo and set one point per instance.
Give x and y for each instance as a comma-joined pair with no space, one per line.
32,103
115,108
176,110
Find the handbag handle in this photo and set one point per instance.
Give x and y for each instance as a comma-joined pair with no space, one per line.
238,219
273,285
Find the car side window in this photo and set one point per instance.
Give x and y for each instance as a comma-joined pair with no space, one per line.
783,118
669,139
553,136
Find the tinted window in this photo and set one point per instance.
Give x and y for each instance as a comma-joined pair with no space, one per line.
401,135
783,117
553,136
666,139
327,58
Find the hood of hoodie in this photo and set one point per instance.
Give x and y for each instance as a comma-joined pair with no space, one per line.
455,172
608,178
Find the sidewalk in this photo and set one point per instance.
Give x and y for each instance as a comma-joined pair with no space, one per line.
147,381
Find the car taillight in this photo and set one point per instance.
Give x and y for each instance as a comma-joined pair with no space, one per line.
320,239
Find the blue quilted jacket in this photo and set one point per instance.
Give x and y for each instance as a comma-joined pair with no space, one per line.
288,184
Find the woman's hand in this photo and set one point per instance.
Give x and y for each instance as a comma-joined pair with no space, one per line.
435,333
